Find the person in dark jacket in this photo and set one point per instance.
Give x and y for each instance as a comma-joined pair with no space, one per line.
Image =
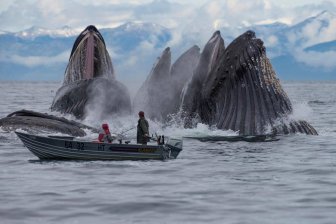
142,129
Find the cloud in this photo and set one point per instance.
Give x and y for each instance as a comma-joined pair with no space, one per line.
228,16
19,14
235,12
54,14
271,41
325,60
111,2
22,14
315,30
307,10
33,61
190,23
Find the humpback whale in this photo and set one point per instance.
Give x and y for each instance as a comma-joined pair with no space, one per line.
233,88
165,83
240,91
89,85
208,60
89,81
36,122
153,94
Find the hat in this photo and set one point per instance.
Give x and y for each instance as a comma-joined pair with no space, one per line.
141,114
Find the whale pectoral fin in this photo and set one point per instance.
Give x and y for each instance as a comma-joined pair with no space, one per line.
34,121
294,127
305,128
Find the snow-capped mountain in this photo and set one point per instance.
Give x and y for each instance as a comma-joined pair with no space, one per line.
35,31
323,47
128,36
39,53
305,50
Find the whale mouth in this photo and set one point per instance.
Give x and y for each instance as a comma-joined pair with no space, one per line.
89,58
251,40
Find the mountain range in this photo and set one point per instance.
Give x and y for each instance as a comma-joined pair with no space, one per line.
302,51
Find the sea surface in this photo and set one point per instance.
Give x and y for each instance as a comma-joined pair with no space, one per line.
292,180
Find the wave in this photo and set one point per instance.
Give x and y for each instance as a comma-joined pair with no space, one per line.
320,102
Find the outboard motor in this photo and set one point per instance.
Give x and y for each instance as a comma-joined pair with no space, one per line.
161,140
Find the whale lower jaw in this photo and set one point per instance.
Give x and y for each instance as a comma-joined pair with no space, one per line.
243,94
89,81
233,88
106,96
292,127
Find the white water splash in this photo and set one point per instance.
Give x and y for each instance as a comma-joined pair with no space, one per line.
127,127
301,111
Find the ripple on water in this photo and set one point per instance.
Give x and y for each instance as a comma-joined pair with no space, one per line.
289,181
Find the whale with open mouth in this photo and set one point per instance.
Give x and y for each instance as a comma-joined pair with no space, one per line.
240,91
89,86
89,81
235,88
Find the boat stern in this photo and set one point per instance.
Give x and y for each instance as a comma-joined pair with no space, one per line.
174,146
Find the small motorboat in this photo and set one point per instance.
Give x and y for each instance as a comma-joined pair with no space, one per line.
68,148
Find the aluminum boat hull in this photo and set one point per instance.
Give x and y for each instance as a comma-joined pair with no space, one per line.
66,148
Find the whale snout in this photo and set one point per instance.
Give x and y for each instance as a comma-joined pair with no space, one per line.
89,58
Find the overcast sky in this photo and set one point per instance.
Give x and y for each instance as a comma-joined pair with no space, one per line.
16,15
197,19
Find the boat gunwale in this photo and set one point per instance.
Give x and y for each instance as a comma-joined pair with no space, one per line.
53,151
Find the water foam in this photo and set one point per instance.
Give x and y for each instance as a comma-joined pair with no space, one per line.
126,126
301,111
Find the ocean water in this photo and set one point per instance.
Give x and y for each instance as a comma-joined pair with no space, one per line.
292,180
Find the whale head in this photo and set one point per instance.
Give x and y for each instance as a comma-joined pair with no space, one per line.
89,85
89,57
